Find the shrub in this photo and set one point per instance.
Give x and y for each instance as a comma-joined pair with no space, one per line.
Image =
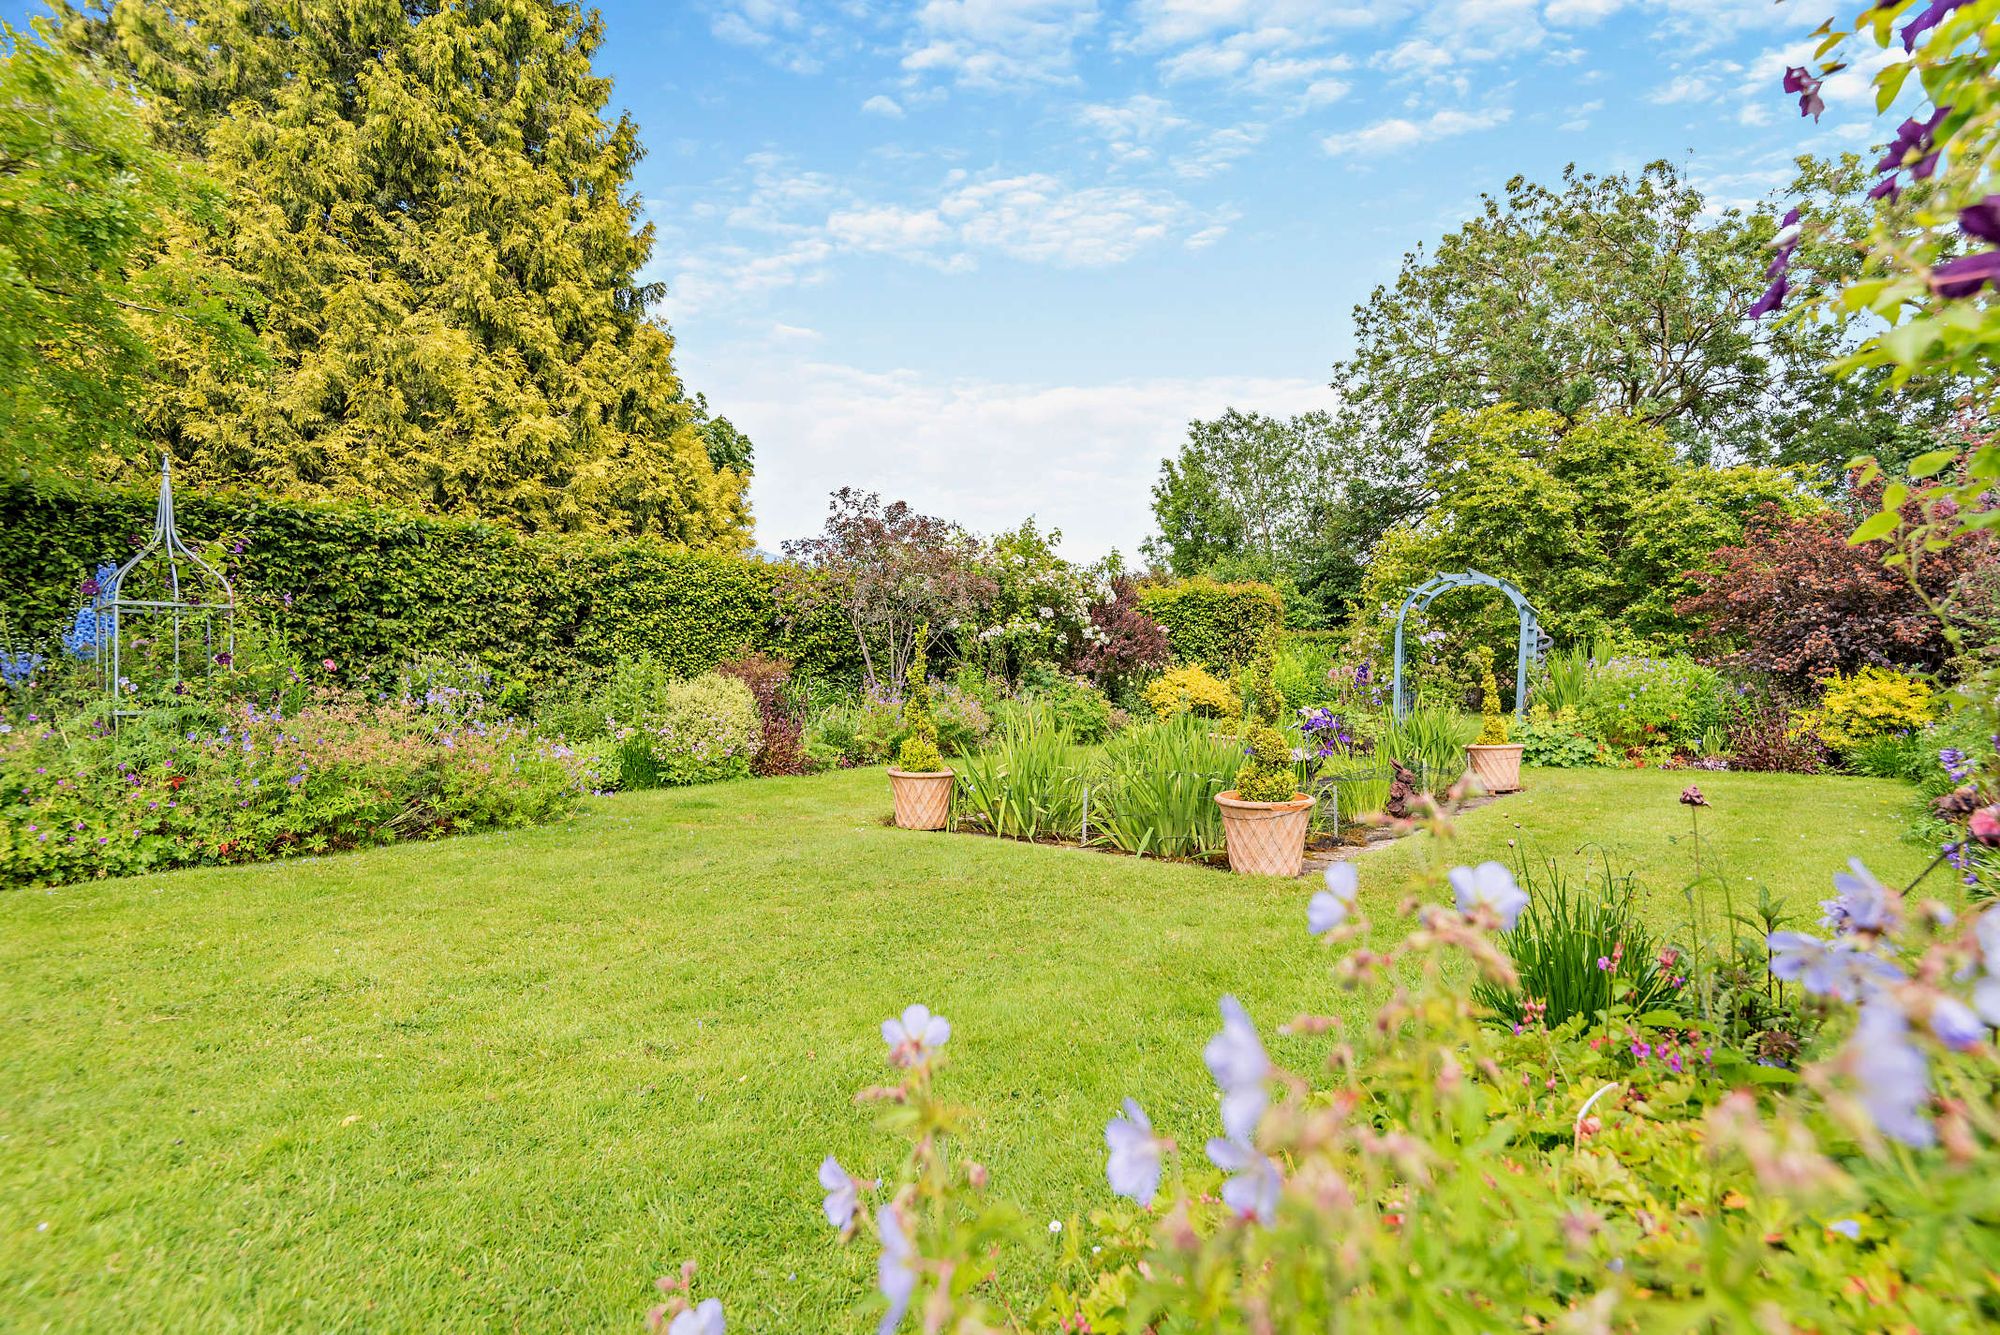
1267,774
918,753
1892,756
781,743
1871,702
1305,674
200,784
1120,642
962,720
1557,739
1190,690
1492,720
1077,707
1651,708
1216,626
686,732
1762,739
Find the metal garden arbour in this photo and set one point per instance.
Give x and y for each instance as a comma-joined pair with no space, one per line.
178,603
1531,629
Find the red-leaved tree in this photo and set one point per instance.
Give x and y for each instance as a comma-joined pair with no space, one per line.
1121,641
1795,599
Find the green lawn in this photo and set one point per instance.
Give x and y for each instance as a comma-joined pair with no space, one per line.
504,1081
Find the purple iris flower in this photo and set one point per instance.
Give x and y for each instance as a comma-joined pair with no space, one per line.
1134,1167
1237,1060
1253,1186
1893,1077
1828,969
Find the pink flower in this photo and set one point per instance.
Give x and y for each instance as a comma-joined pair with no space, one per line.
1985,826
327,663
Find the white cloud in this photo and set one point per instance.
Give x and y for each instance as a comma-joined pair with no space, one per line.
1396,133
1581,12
778,28
1079,457
1131,126
1036,218
1578,117
1682,88
879,105
992,44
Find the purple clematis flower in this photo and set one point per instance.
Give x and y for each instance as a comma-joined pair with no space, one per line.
1773,297
1828,969
1253,1186
1965,275
896,1272
1237,1060
914,1035
1981,221
1134,1167
1939,11
1800,80
843,1193
1489,884
1331,907
705,1318
1893,1077
1861,904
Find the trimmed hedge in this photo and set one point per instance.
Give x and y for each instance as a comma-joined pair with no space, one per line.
374,588
1214,625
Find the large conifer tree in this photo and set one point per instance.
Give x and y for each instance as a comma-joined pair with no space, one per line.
435,218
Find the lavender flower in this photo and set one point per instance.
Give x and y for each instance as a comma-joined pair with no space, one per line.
914,1035
705,1318
1489,884
1330,907
1253,1187
1237,1060
896,1272
1134,1167
1892,1075
843,1193
1828,969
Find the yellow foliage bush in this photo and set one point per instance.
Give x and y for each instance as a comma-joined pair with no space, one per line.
1190,690
1871,703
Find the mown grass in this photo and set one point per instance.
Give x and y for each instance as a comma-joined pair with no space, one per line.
503,1081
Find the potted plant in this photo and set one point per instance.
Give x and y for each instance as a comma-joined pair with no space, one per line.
1495,762
1265,816
919,781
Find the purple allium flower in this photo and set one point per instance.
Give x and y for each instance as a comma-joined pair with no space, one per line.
1134,1166
1253,1186
843,1193
896,1272
914,1035
1965,275
1492,885
1892,1075
1955,1025
1329,908
1237,1060
1828,969
704,1318
1863,904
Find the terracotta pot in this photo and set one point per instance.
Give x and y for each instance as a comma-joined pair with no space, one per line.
1265,838
923,797
1497,769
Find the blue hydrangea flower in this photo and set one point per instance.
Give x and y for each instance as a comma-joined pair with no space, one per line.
1237,1060
1253,1185
1330,907
1492,885
1134,1167
1891,1074
896,1272
1828,968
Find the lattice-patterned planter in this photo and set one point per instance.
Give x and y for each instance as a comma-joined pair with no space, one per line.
923,798
1265,838
1497,769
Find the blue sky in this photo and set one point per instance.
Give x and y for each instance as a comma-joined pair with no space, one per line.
990,256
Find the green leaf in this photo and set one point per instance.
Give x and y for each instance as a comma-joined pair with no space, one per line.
1927,465
1875,527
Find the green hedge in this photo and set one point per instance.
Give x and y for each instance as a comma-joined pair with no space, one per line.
373,588
1213,624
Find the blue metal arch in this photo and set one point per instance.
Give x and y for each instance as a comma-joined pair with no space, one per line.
1444,582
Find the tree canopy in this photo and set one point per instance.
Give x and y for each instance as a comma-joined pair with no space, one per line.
432,214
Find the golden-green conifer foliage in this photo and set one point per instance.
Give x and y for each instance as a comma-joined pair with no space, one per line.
435,216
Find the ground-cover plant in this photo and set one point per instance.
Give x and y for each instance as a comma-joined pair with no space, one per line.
202,785
1581,951
1154,794
1027,785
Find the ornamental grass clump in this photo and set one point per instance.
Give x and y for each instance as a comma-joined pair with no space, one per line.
1267,773
919,752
